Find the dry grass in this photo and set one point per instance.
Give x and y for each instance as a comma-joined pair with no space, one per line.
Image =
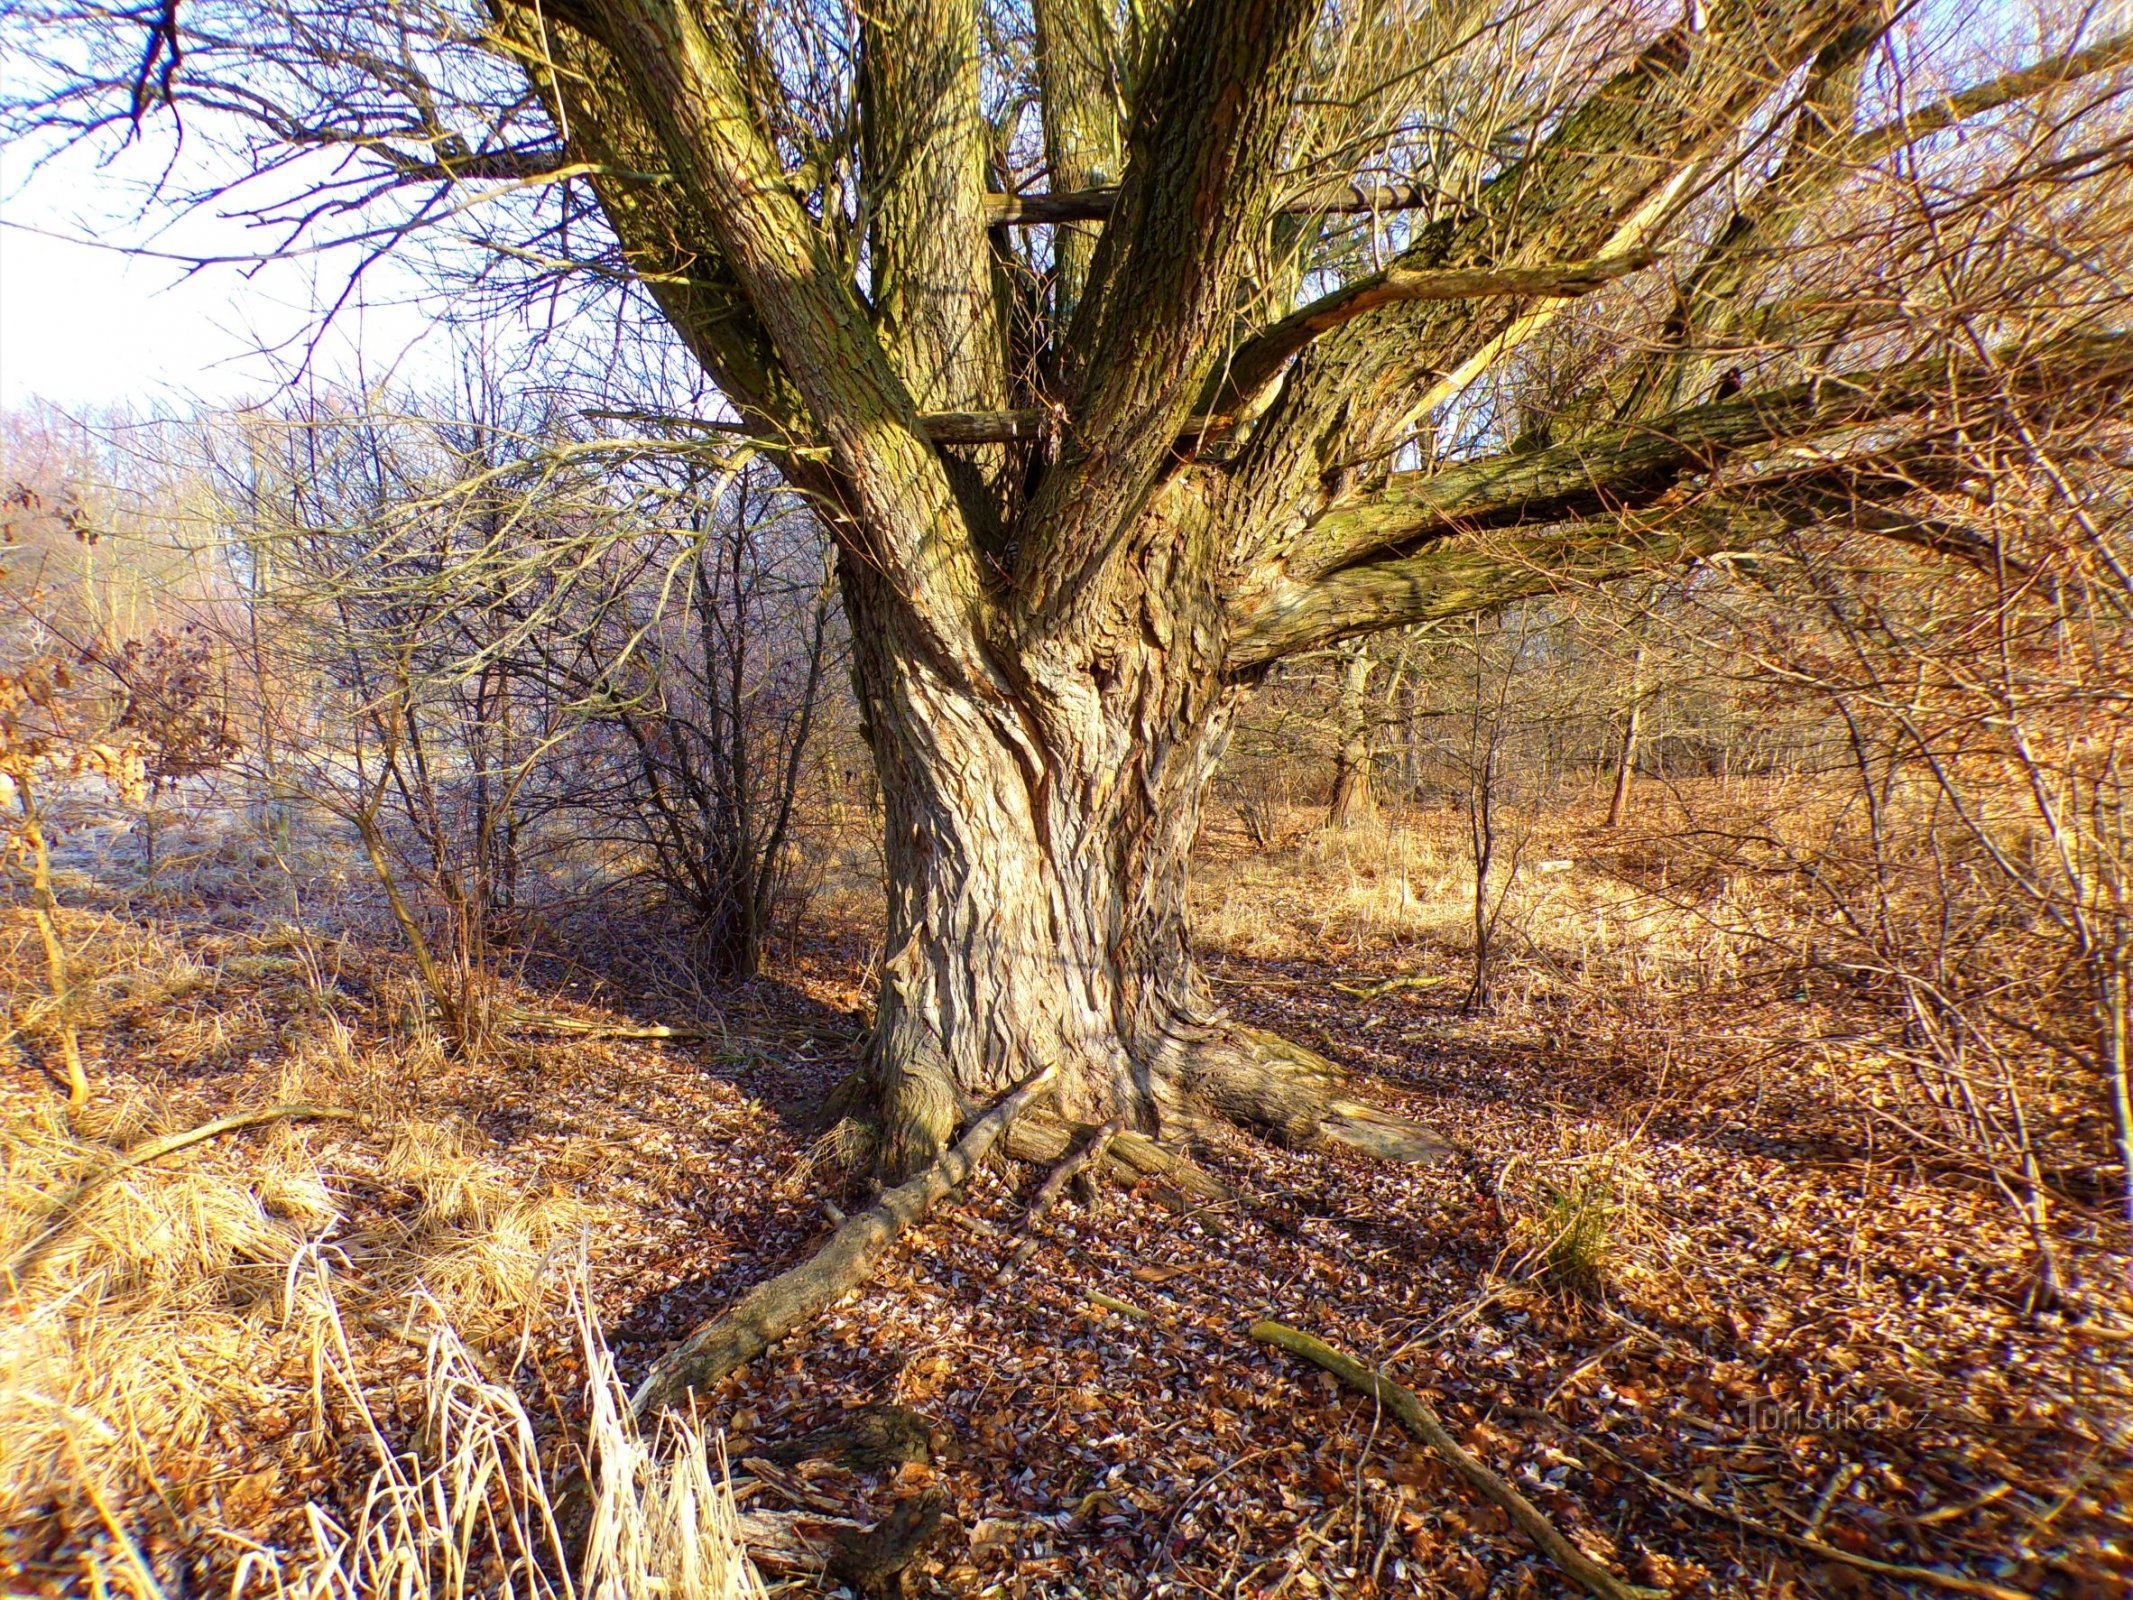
479,1509
1406,885
1576,1215
276,1360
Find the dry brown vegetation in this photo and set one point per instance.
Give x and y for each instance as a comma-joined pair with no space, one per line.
1038,842
1689,1225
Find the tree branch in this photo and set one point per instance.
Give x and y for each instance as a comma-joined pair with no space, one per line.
1606,178
1261,358
2116,51
1335,198
1340,198
1637,460
1084,145
1459,578
1822,154
922,142
503,166
1165,276
672,250
1418,1419
902,518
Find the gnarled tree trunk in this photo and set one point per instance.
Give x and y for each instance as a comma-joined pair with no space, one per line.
1038,850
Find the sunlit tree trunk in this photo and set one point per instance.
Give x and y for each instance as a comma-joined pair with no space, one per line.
1626,751
1355,801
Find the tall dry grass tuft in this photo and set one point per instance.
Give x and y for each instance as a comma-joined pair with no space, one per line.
206,1373
1576,1215
475,1509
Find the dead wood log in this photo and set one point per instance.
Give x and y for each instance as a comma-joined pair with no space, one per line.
1423,1423
1954,1582
871,1439
770,1311
793,1541
878,1562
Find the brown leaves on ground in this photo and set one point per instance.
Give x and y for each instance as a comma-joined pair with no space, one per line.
1763,1304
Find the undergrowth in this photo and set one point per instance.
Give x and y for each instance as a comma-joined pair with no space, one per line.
317,1359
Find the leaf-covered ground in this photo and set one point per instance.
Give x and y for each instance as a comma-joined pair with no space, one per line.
1772,1308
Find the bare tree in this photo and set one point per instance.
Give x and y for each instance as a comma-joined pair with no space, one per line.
1125,358
1355,801
707,692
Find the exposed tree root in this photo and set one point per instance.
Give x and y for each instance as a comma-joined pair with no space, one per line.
1296,1096
1423,1423
769,1311
1245,1075
872,1439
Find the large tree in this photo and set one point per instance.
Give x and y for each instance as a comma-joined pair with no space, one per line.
1127,350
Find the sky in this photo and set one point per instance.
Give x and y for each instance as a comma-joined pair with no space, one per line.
87,326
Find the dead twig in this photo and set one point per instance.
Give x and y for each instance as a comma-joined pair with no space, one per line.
1423,1423
1086,1156
1124,1308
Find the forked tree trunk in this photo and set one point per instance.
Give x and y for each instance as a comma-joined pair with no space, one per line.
1038,844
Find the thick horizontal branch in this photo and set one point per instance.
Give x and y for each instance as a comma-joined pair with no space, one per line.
1635,461
1484,573
2116,51
1261,358
495,166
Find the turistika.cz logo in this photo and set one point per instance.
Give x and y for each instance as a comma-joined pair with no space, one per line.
1859,1416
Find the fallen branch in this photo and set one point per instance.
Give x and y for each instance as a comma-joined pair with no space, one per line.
155,1150
533,1022
1092,1149
1386,986
1422,1422
1123,1308
1954,1582
770,1311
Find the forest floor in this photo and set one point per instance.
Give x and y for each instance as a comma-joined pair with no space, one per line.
1677,1234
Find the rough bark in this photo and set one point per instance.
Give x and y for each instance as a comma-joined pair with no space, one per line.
1038,858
